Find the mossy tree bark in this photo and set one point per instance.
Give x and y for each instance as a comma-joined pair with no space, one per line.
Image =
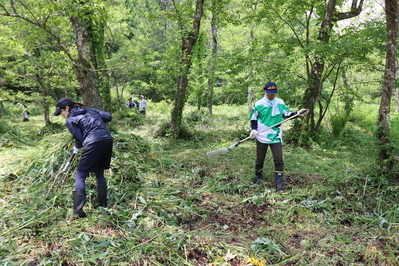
383,133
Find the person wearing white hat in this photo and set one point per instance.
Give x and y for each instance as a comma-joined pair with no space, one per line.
142,105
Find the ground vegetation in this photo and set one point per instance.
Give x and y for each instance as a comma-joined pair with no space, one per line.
170,204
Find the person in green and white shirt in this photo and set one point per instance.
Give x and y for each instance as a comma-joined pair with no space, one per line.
267,112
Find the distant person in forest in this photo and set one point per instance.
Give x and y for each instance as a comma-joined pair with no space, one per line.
25,112
130,103
87,126
142,105
267,112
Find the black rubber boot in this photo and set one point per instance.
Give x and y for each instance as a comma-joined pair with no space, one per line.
258,177
278,177
102,195
79,200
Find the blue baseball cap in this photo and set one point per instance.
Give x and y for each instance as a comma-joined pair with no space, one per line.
270,88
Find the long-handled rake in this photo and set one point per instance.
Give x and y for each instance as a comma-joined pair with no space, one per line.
230,148
61,175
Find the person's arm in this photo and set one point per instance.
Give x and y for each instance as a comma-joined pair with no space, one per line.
253,117
105,116
301,112
76,133
254,122
287,113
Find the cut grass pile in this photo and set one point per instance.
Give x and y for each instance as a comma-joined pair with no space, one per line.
170,204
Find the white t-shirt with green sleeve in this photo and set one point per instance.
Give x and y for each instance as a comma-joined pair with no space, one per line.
268,113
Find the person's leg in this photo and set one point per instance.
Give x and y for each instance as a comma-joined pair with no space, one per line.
80,180
101,188
104,162
277,150
95,158
79,194
261,149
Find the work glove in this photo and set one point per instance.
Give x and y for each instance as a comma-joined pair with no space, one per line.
76,150
253,133
303,112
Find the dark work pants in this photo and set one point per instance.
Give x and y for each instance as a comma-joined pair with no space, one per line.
277,151
80,179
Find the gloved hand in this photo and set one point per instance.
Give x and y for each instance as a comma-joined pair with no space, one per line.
253,133
76,150
303,112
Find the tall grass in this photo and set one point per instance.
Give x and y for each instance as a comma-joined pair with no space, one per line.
172,205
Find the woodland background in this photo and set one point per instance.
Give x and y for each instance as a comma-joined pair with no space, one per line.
201,65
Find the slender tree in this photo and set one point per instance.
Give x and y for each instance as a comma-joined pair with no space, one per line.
390,75
316,67
212,63
188,41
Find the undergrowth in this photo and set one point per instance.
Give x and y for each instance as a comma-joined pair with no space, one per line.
170,204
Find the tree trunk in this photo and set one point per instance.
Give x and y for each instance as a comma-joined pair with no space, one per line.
46,112
185,64
211,79
347,100
391,12
316,71
86,65
44,91
2,112
98,46
89,33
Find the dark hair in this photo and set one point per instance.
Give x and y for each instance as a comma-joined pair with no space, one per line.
75,105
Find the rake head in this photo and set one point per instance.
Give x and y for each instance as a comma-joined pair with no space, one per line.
58,181
221,150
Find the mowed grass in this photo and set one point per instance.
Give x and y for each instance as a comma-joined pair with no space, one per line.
171,204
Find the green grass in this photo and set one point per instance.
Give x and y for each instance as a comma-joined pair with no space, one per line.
170,204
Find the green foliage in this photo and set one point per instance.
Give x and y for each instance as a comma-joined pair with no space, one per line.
169,204
166,130
338,123
197,117
264,243
128,117
4,127
53,128
317,205
394,120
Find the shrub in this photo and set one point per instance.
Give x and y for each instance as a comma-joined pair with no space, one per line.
53,128
4,127
197,116
128,117
166,130
338,123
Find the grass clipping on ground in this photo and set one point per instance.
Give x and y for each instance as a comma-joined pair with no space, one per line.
170,204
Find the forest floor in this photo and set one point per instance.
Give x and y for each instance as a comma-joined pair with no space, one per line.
171,204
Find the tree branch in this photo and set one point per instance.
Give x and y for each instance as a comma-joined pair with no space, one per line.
355,11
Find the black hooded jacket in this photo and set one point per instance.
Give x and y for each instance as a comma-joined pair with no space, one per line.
87,125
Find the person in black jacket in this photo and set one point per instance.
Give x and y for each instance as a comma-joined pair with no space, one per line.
87,126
